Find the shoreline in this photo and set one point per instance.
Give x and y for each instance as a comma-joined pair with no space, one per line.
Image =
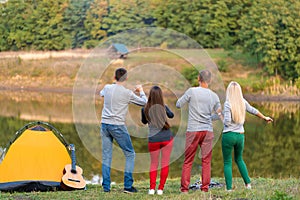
68,90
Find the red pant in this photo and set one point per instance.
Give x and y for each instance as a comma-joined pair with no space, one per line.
155,148
204,139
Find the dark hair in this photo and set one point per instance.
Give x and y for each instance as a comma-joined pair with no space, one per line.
205,76
121,74
155,110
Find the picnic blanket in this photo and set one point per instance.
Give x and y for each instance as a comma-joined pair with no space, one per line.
213,184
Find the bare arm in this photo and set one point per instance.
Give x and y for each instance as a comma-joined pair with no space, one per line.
267,119
256,112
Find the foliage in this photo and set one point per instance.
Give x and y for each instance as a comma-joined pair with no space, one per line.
272,31
278,195
14,26
222,65
268,30
74,19
94,20
191,74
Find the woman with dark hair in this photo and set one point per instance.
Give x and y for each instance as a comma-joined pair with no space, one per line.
160,138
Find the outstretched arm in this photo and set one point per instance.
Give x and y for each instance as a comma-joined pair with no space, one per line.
267,119
256,112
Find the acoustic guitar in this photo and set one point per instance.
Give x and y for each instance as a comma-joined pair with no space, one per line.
72,178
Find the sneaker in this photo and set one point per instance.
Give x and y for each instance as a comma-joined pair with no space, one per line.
229,190
160,192
130,190
248,186
151,191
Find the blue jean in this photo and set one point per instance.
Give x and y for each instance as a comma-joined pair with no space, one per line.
109,132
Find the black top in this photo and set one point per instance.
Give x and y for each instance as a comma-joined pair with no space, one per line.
156,135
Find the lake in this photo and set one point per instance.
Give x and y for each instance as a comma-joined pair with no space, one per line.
271,150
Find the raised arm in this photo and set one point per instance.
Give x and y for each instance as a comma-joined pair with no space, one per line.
170,114
184,99
138,100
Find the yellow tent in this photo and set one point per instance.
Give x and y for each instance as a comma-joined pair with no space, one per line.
35,160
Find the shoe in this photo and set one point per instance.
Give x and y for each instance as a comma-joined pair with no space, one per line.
248,186
130,190
160,192
151,191
229,190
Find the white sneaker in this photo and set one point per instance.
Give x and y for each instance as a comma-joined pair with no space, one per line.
151,192
160,192
248,186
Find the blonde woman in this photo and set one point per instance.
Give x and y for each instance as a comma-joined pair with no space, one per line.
235,108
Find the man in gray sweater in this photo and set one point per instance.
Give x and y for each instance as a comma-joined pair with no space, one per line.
115,107
203,103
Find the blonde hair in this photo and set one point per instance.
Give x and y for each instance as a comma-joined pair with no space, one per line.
235,98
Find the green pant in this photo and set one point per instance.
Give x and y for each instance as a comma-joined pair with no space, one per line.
233,140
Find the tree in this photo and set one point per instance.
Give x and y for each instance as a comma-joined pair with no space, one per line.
48,30
272,31
126,15
14,28
94,21
211,23
74,17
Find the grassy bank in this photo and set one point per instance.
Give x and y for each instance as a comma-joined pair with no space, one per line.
54,71
263,188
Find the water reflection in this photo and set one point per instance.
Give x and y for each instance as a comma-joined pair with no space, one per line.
270,149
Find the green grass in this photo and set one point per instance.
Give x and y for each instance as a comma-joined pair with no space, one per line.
262,188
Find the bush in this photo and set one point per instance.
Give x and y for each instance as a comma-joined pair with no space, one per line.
222,65
281,196
191,74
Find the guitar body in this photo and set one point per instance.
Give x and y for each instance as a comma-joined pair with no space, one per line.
72,178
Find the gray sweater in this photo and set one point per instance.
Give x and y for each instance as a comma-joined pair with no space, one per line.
229,124
202,104
116,101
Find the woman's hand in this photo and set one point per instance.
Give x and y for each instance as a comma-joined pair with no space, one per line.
268,119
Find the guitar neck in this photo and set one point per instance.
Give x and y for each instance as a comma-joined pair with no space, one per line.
73,157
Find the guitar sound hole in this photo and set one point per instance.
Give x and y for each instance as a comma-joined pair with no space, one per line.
78,181
73,171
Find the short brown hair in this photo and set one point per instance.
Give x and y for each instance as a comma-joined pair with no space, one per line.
121,74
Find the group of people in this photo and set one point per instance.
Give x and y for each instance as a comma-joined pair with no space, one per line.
204,106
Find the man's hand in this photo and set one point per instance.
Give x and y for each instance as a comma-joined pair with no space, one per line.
138,88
